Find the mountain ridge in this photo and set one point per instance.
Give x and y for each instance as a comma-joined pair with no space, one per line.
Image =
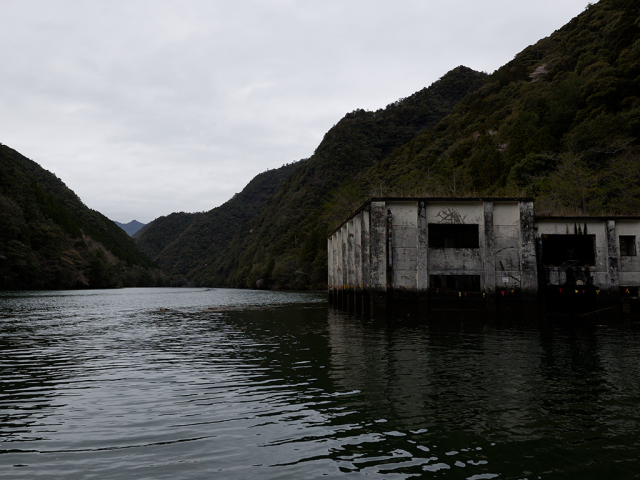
131,228
180,242
50,239
264,244
559,122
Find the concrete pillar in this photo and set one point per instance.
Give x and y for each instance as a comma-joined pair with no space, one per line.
390,255
357,228
338,278
336,270
422,276
344,245
528,261
613,261
489,260
378,262
351,264
330,268
366,262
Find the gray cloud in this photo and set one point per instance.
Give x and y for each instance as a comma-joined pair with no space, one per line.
148,107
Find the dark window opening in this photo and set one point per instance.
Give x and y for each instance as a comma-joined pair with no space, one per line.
568,250
453,236
627,245
463,283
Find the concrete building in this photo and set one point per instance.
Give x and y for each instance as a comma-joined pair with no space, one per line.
431,256
587,264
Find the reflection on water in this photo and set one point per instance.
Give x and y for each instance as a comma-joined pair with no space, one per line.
193,383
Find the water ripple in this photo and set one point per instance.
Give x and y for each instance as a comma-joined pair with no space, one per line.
194,383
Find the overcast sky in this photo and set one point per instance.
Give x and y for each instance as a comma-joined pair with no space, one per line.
147,107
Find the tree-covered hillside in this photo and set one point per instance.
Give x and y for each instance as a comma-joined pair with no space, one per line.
50,239
560,122
285,246
185,243
154,237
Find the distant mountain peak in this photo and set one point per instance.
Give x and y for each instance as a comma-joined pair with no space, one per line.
131,228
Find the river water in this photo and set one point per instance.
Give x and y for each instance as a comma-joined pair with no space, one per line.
201,384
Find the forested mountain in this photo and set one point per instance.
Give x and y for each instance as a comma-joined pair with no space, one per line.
50,239
284,245
155,236
184,243
559,122
131,228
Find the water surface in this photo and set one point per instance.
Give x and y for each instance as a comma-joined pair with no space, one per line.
197,383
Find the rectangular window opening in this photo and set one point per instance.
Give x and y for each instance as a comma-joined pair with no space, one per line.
627,245
453,236
568,250
461,283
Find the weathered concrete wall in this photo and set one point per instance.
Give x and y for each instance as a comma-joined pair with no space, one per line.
383,252
330,269
528,260
404,225
608,281
366,252
460,212
629,266
422,274
378,255
598,274
357,256
613,257
506,228
456,261
488,250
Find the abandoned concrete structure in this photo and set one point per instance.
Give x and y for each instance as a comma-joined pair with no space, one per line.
433,255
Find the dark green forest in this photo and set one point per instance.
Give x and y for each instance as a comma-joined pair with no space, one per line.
184,244
560,122
50,240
